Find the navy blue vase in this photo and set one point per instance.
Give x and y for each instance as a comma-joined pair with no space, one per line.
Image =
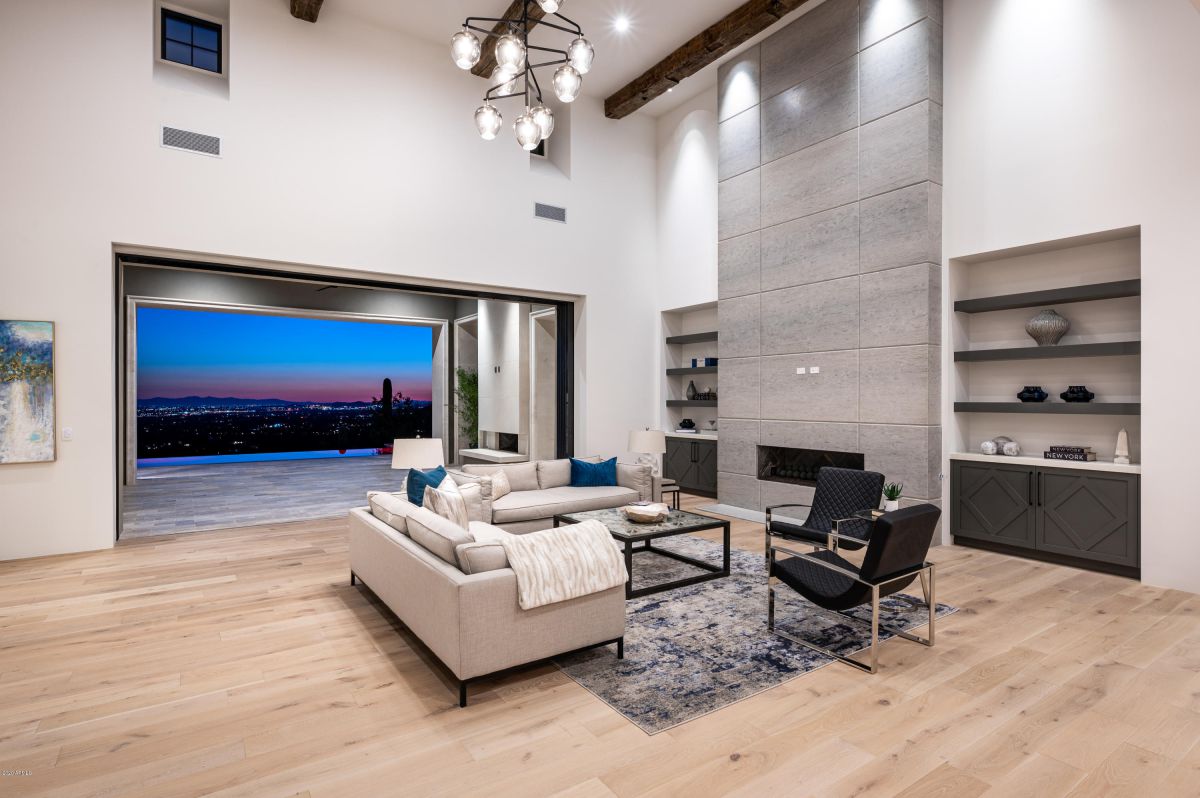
1033,393
1077,393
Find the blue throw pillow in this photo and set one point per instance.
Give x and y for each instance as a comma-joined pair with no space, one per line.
591,475
418,480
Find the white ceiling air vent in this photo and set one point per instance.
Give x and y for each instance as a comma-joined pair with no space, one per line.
178,139
552,213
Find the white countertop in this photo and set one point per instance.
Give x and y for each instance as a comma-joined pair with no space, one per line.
704,436
1041,462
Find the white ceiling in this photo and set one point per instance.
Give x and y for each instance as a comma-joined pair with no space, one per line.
657,27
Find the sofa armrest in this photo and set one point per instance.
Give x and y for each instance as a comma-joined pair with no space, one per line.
636,476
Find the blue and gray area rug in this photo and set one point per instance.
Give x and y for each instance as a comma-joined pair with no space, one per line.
693,650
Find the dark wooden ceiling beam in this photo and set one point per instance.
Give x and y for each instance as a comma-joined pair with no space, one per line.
306,10
487,60
706,47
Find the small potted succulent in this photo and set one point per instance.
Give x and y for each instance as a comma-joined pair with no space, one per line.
891,496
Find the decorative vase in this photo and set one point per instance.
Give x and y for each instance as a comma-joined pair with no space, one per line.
989,447
891,505
691,390
1011,448
1047,327
1077,393
687,423
1122,451
1032,393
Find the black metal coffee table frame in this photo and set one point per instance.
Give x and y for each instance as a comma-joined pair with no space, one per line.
654,532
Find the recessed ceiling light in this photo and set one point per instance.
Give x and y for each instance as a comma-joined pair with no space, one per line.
621,24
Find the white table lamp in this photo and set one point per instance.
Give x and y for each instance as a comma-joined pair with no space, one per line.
648,443
422,453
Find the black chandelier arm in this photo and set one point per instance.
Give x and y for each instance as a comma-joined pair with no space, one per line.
563,53
578,31
537,87
514,23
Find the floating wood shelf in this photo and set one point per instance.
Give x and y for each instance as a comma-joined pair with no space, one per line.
1055,296
1064,408
691,403
683,372
1045,352
693,338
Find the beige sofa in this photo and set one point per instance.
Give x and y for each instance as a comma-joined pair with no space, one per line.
471,621
542,489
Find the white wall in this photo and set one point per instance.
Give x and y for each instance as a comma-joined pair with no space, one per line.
687,206
345,146
1078,116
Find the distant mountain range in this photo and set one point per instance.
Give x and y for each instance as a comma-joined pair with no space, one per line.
233,401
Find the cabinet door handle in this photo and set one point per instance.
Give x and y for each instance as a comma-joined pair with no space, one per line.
1030,488
1040,480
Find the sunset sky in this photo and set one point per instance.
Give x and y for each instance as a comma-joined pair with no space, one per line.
209,353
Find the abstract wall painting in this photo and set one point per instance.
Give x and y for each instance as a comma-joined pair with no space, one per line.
26,391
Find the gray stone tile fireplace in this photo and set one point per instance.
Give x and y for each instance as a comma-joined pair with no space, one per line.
829,248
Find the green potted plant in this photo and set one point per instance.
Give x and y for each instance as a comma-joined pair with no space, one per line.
891,496
467,394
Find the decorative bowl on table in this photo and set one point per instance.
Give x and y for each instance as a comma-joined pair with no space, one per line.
646,513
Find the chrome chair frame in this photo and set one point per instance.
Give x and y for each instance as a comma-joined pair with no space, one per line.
926,569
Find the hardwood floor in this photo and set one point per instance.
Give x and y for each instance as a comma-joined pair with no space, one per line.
241,662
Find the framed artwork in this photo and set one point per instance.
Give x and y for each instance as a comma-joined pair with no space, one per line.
26,392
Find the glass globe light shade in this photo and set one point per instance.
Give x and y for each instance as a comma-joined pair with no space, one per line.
510,53
550,6
527,130
580,53
465,49
488,121
544,118
566,83
504,79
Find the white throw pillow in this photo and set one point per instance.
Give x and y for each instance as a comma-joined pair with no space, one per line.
449,504
500,485
473,496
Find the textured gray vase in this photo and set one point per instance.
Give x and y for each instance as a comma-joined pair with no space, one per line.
1047,327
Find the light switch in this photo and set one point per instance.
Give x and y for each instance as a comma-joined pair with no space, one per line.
68,433
815,370
800,370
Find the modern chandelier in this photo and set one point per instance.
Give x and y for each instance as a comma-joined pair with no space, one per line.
513,63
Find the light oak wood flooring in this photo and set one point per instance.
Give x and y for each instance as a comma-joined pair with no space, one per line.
241,662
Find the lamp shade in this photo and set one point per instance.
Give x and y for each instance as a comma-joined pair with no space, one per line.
647,441
420,453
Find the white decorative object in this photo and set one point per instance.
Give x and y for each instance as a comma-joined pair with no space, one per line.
646,513
988,447
1122,451
1011,448
649,444
890,505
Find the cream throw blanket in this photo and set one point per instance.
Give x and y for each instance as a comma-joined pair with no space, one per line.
565,563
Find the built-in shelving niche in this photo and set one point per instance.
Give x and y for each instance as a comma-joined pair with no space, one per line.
687,334
1095,282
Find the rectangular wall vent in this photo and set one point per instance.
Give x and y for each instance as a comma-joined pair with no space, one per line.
178,139
551,212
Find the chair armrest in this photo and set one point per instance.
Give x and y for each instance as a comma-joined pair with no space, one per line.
828,565
774,507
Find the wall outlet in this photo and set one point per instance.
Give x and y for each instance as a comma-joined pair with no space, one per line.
800,370
815,370
68,433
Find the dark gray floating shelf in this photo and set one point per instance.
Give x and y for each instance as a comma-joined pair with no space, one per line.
1055,296
1044,352
691,403
696,370
1065,408
693,338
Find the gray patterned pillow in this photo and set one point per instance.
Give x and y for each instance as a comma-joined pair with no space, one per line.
449,504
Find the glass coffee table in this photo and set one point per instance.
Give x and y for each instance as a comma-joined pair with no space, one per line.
678,522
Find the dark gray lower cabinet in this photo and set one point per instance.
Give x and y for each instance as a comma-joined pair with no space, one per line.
1071,515
693,464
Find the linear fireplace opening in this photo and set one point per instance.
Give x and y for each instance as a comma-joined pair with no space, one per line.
800,466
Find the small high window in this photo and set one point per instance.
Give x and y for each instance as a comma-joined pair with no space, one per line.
190,41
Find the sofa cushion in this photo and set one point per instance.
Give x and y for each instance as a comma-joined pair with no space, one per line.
591,475
500,485
529,505
638,477
449,504
521,476
392,509
437,535
479,504
553,473
418,480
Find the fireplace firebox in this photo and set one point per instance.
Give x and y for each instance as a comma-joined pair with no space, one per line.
801,466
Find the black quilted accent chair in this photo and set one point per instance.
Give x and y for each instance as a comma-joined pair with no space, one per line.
895,558
840,493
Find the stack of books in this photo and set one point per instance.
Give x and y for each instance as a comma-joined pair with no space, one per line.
692,431
1082,454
